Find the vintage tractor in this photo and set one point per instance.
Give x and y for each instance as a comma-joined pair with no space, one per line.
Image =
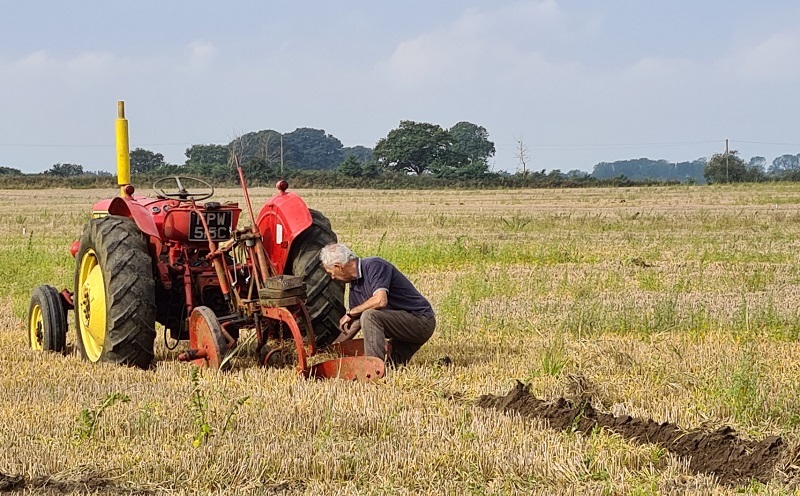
180,260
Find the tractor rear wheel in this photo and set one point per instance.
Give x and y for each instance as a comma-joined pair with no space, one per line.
115,309
47,320
325,300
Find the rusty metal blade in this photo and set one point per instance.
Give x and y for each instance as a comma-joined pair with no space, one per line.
359,368
354,347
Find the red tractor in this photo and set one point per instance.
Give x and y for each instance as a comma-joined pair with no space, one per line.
181,261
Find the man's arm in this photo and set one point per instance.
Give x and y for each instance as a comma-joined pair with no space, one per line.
378,300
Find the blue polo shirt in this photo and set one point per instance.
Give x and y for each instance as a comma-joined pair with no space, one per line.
375,273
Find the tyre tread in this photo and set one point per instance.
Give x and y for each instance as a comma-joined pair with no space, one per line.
325,300
123,255
54,318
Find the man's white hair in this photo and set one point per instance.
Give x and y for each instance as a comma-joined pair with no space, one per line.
336,253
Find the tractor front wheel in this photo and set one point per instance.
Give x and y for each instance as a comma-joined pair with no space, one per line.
47,321
115,310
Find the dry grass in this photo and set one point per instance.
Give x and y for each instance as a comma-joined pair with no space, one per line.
677,304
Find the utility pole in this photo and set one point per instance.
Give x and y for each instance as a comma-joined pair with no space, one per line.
281,154
727,178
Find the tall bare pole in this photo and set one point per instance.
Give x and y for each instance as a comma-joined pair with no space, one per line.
727,178
281,154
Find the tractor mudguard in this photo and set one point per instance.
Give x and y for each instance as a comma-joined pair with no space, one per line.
282,218
129,207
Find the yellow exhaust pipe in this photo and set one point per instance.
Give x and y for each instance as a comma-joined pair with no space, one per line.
123,150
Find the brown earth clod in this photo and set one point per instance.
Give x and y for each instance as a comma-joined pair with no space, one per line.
50,485
11,482
720,452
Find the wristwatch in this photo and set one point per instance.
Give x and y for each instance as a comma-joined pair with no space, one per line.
351,315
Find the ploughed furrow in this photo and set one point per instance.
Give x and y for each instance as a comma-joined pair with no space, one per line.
720,452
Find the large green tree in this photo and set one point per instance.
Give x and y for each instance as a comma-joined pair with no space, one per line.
783,164
469,154
757,163
729,168
414,147
10,171
207,155
472,141
145,161
303,148
308,148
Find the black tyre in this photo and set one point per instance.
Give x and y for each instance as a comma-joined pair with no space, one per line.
325,296
47,321
115,310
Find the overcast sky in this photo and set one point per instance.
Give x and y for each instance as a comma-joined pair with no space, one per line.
578,82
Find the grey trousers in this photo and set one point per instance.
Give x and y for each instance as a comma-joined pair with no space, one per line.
406,333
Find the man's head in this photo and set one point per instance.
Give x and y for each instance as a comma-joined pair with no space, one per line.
339,261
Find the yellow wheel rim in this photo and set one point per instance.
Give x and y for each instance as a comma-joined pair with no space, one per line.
91,308
36,328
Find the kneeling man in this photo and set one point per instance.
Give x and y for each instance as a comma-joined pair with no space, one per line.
383,304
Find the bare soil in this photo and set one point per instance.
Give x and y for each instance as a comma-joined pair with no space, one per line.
720,452
48,485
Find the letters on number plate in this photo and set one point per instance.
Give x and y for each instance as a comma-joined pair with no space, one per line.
219,226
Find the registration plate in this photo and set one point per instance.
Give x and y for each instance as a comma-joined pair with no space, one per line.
219,226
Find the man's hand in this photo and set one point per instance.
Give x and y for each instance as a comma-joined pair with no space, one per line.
350,330
345,322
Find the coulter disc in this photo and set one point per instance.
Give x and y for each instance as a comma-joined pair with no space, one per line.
205,335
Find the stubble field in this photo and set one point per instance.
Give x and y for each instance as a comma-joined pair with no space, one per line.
676,304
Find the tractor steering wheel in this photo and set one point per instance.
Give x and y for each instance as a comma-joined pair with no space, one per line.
183,194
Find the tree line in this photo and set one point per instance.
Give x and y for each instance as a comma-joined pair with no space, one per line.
720,168
462,151
730,168
657,170
457,155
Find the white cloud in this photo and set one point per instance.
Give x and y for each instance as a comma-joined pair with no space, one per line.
479,41
85,64
90,68
775,59
656,68
32,60
91,61
519,19
201,54
93,68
